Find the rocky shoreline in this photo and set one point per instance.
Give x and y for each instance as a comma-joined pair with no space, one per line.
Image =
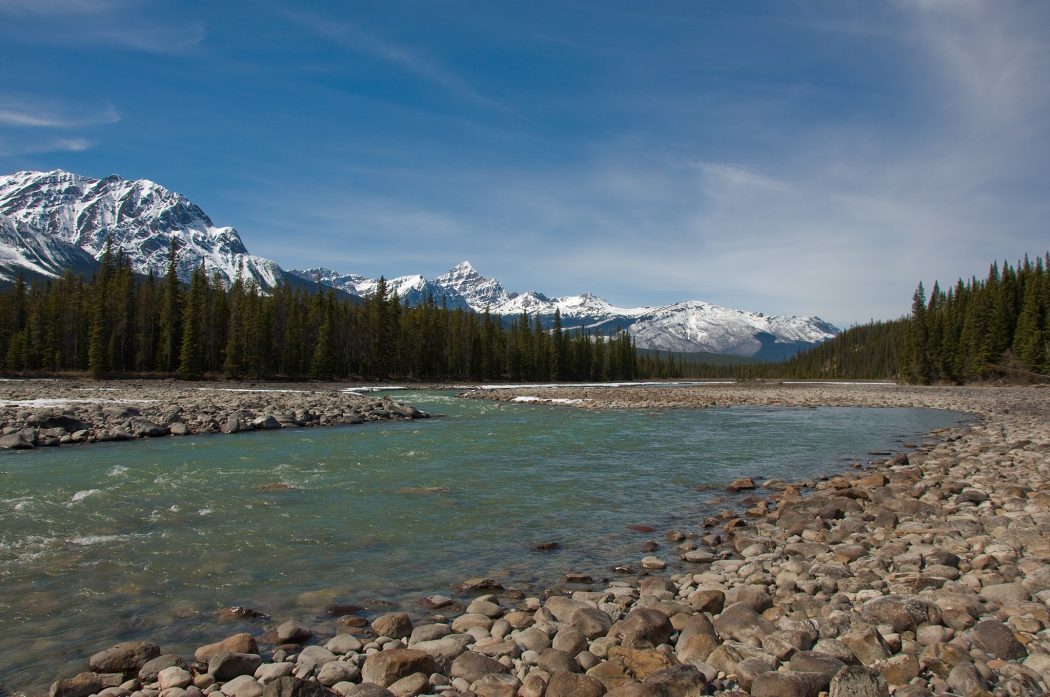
925,573
40,413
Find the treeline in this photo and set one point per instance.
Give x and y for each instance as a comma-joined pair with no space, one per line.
981,327
998,326
118,323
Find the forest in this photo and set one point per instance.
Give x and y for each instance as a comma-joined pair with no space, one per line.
120,324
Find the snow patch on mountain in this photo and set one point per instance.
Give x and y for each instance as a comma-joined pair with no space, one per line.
53,212
691,326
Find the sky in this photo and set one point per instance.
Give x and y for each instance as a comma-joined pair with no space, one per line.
800,157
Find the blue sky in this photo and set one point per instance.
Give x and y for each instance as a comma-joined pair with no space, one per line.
808,157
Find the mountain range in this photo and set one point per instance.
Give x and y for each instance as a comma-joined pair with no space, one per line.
692,326
55,221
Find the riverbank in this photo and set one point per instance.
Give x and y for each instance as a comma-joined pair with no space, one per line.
38,413
928,572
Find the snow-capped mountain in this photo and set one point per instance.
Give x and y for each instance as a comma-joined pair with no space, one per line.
51,222
412,290
691,326
60,220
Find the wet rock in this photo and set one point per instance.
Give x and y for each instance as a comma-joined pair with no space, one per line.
18,441
226,666
472,585
237,643
84,684
292,632
343,644
741,484
126,657
396,625
149,670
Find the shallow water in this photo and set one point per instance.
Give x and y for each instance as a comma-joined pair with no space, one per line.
148,539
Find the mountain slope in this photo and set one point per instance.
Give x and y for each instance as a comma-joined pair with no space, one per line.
52,214
691,327
56,221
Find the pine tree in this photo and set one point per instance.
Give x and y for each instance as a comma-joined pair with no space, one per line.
191,353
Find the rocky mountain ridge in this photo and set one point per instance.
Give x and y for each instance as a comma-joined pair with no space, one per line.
55,221
690,326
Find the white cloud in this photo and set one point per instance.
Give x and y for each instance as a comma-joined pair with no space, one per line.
408,59
42,112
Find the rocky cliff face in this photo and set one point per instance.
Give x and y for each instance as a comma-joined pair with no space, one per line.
59,220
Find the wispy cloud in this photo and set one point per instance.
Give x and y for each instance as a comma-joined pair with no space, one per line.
119,24
411,60
48,8
36,146
38,112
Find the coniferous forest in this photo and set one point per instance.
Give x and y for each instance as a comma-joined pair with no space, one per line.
120,324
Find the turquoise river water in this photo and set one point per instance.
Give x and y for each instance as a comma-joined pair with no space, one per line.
148,539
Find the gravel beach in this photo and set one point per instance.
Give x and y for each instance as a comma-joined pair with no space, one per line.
926,572
39,413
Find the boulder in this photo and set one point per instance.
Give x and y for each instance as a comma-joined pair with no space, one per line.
679,681
591,622
292,632
126,657
788,684
238,643
144,428
174,676
84,684
867,645
903,614
471,666
574,685
225,665
387,667
242,686
740,622
643,628
395,625
554,661
149,670
641,662
998,639
289,686
858,681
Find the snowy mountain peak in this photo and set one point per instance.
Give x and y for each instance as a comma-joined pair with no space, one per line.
140,217
690,326
477,291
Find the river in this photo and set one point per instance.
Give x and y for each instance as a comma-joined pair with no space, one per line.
146,540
